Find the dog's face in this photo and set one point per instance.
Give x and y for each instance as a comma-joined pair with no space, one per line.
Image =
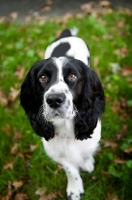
60,81
62,88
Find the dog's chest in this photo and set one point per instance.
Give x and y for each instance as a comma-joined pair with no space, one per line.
63,143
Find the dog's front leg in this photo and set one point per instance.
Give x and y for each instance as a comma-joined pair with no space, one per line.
75,185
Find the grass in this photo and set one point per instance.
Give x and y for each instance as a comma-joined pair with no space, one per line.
24,168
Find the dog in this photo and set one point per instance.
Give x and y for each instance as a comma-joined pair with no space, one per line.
64,100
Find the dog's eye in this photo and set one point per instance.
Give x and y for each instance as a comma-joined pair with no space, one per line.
43,78
72,77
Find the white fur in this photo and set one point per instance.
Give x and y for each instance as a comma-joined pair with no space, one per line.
72,154
78,49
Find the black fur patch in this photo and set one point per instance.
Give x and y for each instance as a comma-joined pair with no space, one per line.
61,50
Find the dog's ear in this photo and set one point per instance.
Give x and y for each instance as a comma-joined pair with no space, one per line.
32,101
92,105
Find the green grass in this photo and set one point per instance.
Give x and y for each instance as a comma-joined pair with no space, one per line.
109,37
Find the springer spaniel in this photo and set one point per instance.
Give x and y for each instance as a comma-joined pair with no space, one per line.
64,99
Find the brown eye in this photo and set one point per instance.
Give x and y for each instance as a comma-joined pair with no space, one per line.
72,77
43,78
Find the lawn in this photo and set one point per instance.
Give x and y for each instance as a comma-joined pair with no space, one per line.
25,171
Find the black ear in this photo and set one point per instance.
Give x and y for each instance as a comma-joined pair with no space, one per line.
91,107
31,100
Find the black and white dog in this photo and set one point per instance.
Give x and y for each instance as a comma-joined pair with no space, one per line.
64,99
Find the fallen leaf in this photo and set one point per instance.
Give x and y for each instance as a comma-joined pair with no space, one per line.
108,143
33,147
14,149
9,193
121,23
129,150
40,191
9,165
86,8
59,167
14,15
65,18
17,184
13,94
21,196
3,98
7,129
111,196
126,71
95,61
43,196
106,174
17,135
122,132
119,161
20,72
45,8
105,4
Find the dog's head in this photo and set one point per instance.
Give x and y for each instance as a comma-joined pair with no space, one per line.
61,88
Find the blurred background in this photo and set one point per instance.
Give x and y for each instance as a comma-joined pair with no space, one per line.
51,8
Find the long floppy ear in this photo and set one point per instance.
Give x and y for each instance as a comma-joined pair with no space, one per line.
92,105
32,102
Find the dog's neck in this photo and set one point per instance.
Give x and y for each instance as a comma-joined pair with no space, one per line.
64,128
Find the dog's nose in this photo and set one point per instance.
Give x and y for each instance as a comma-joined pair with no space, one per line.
55,100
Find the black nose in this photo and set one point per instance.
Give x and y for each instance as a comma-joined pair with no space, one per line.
55,100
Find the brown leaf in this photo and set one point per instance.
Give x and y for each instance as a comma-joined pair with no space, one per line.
9,193
95,61
17,184
43,196
127,71
121,23
7,129
106,174
14,149
86,8
3,98
122,132
128,150
40,191
45,8
119,161
9,165
17,135
59,167
65,18
21,196
49,196
111,196
14,15
20,72
105,4
33,147
108,143
13,94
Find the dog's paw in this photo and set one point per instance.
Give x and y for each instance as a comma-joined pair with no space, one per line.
75,190
73,196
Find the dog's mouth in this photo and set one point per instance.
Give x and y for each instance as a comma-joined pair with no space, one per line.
54,114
